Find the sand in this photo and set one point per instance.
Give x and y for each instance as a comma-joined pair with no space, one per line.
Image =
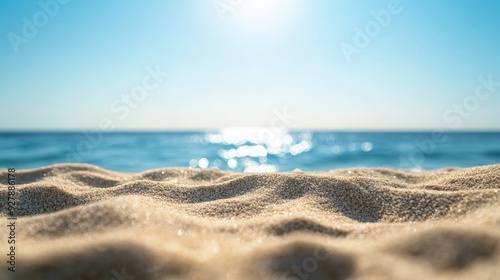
81,222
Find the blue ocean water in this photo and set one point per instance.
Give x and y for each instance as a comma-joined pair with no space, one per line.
250,150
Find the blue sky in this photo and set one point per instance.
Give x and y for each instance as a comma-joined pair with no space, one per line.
232,66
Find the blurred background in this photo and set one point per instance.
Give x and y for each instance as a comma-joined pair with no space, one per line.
250,85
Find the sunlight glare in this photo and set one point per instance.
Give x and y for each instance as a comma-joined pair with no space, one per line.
263,15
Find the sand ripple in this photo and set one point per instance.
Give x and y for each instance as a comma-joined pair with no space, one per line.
81,222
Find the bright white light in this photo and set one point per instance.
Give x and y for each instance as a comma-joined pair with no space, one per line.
287,140
232,163
261,168
366,146
259,15
203,163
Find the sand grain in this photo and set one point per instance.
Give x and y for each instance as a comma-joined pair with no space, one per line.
78,221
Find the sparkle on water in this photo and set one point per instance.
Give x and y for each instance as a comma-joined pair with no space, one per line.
250,148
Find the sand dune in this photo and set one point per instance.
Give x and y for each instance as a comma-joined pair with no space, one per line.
83,222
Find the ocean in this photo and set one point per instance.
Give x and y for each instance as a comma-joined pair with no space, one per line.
250,150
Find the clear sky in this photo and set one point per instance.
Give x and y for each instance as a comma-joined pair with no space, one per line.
330,64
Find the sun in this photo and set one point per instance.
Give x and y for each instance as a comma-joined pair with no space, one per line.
263,15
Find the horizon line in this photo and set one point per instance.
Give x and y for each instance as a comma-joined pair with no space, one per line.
6,131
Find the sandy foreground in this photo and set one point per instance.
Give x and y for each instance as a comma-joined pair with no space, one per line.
78,221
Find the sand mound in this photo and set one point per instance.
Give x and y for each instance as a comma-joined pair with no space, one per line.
83,222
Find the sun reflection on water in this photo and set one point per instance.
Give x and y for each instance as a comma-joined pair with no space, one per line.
249,149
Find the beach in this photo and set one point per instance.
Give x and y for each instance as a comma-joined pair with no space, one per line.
78,221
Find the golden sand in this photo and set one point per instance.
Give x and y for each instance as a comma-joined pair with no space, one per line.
78,221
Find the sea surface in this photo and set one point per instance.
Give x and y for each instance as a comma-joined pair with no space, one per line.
250,150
